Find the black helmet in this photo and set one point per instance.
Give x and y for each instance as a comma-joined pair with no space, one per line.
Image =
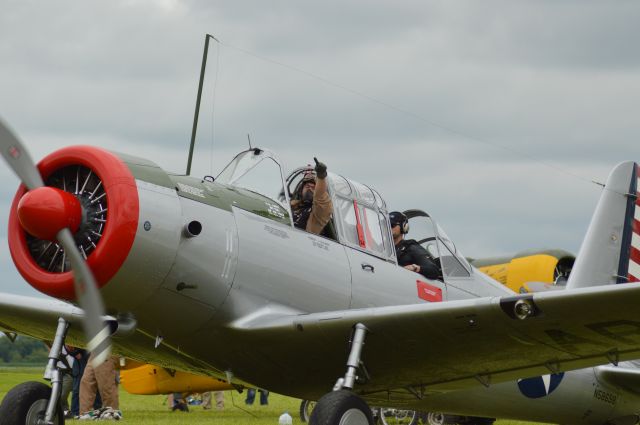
397,218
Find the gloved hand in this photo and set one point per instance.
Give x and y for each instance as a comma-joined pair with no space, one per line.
321,169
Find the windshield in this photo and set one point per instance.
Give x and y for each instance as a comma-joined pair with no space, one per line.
453,262
257,170
433,238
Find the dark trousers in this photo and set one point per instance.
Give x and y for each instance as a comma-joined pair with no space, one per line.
251,396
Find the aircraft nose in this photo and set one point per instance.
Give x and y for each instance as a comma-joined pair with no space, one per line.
44,211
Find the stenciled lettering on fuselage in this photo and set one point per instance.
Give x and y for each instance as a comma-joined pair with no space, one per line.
319,243
540,386
274,210
276,232
191,190
605,396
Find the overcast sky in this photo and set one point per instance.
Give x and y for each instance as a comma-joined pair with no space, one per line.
493,116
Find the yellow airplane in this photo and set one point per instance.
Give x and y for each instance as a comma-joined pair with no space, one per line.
146,379
530,270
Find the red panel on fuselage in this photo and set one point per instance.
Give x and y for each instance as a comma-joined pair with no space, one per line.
428,292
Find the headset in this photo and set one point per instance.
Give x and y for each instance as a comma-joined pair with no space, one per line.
401,219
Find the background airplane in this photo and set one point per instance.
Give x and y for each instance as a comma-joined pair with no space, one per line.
146,379
530,270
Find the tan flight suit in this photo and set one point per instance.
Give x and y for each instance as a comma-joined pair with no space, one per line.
321,210
103,379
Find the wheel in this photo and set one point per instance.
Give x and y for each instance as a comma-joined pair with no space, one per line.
435,418
401,417
341,408
306,407
26,404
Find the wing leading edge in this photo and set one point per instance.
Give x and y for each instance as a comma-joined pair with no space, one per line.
38,317
450,345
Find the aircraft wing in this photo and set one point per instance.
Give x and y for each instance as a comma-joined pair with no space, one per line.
38,317
620,377
452,345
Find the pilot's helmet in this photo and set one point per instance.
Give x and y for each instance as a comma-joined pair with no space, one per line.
397,218
309,175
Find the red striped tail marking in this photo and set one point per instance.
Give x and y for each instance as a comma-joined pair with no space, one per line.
634,257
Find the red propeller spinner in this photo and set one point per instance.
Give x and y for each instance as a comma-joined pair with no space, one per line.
44,211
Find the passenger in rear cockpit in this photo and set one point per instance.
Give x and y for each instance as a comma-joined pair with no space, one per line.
311,204
410,254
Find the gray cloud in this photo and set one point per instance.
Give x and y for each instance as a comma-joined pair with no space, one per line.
493,116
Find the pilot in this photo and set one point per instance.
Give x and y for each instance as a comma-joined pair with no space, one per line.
311,204
410,254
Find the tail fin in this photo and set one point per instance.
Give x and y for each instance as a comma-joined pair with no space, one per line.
610,252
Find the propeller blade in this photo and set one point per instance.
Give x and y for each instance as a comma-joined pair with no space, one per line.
96,330
18,158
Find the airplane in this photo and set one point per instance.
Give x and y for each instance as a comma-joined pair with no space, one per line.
146,379
181,263
530,270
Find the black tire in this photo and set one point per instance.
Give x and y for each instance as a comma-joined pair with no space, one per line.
24,404
341,408
306,407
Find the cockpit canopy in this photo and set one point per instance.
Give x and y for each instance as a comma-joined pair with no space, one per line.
433,238
360,216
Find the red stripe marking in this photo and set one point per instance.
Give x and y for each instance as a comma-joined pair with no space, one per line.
367,230
361,240
632,278
635,255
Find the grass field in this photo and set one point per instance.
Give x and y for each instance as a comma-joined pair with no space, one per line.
142,410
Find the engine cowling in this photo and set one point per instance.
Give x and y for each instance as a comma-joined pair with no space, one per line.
106,190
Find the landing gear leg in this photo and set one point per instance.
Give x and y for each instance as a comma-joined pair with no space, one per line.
342,406
34,403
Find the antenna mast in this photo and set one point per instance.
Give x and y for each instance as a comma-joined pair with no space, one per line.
197,113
